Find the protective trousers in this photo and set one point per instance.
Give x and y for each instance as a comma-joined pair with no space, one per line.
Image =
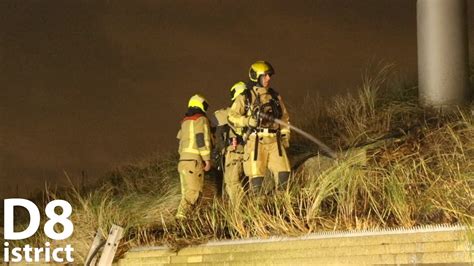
268,157
233,172
191,174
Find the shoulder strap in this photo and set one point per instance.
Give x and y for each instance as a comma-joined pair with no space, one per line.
275,103
274,94
248,97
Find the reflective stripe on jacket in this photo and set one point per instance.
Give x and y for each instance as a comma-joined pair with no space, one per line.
195,140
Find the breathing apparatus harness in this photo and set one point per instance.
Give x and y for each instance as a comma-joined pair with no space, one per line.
264,114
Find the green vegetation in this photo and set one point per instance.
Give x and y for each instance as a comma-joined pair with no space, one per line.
425,175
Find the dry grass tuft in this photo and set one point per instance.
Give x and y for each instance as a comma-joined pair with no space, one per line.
423,175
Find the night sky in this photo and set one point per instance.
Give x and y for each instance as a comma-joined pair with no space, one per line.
88,85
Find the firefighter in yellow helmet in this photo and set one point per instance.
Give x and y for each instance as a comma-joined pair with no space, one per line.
266,140
231,148
194,153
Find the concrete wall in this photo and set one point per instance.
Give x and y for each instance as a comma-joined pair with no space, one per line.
449,245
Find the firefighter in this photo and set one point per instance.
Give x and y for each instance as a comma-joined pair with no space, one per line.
232,148
266,141
194,153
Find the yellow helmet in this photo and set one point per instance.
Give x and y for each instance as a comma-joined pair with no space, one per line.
237,89
198,101
259,68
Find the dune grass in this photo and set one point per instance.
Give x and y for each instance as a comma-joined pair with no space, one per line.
423,176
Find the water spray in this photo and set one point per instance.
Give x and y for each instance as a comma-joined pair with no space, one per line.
303,133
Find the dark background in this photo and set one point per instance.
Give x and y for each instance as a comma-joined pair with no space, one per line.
88,85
